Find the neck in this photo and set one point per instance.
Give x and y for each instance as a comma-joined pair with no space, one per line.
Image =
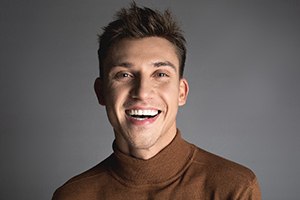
145,152
166,165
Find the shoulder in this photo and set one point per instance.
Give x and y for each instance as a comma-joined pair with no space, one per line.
222,167
223,177
83,182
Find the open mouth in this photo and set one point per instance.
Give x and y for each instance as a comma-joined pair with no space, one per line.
143,114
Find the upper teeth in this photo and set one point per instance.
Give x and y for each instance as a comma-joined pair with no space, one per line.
143,112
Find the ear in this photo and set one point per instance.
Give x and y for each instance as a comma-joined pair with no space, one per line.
99,90
183,91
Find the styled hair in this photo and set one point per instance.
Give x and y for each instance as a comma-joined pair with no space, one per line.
136,23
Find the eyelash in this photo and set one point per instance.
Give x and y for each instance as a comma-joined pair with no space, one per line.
121,75
126,75
162,74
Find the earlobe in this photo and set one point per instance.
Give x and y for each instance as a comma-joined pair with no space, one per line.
183,91
99,90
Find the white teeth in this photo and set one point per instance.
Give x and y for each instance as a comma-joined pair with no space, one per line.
143,112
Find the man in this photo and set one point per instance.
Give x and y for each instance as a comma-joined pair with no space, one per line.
142,55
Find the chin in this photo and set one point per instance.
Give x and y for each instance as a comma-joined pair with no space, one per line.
143,143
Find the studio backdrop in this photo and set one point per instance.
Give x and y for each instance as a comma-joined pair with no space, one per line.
243,67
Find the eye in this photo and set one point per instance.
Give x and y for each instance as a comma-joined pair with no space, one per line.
123,75
162,74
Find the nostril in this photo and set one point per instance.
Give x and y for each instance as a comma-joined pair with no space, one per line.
141,93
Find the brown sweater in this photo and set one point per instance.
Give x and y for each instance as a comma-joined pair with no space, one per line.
179,171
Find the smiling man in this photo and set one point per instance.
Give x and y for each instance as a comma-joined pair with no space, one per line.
142,55
142,90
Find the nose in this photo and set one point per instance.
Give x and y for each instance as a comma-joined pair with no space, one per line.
142,88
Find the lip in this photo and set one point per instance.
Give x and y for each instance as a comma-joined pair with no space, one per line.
143,122
141,108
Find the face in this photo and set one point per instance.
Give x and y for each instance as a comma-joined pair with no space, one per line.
141,91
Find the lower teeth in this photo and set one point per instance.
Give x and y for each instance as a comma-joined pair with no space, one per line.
142,117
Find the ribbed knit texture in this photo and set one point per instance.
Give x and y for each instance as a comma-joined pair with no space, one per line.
180,171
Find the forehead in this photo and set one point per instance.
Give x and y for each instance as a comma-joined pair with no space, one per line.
149,49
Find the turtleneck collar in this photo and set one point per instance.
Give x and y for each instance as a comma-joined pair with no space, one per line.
165,166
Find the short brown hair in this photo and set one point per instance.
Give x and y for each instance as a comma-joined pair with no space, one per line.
136,23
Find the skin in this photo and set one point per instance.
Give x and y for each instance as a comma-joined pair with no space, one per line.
142,74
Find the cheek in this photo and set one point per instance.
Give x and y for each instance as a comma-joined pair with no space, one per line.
170,93
114,101
116,95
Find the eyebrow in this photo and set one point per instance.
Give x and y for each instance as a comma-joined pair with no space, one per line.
123,64
155,64
165,63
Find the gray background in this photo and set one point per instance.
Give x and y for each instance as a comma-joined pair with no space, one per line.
244,104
